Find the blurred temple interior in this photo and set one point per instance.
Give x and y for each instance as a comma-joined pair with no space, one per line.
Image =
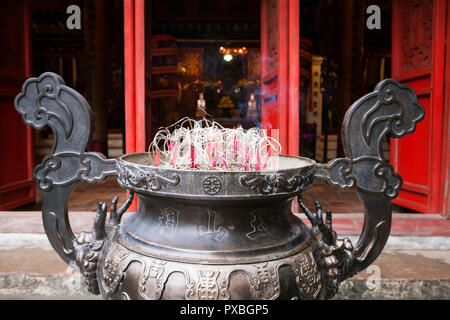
222,60
204,59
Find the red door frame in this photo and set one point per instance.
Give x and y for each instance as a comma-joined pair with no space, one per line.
428,82
280,72
14,193
285,117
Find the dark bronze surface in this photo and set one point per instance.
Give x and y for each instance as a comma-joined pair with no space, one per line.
216,234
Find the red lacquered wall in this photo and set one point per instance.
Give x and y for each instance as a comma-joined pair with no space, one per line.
418,59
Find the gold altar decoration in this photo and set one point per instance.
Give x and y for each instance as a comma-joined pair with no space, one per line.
226,103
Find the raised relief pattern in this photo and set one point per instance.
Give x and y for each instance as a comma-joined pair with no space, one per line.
278,183
307,276
211,185
130,176
211,282
416,35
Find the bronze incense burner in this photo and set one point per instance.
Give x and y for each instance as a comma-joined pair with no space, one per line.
216,234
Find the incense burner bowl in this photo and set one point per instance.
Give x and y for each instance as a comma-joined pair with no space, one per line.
211,234
208,235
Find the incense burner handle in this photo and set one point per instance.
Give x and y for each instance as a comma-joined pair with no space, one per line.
390,110
47,101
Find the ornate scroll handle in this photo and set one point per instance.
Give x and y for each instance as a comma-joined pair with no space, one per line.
47,101
391,109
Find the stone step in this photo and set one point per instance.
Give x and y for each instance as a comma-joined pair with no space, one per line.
115,135
115,143
114,153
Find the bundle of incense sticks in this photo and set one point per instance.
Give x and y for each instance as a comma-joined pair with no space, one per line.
206,145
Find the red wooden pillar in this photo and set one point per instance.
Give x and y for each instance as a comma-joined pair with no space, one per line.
136,121
294,77
418,57
134,41
280,36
